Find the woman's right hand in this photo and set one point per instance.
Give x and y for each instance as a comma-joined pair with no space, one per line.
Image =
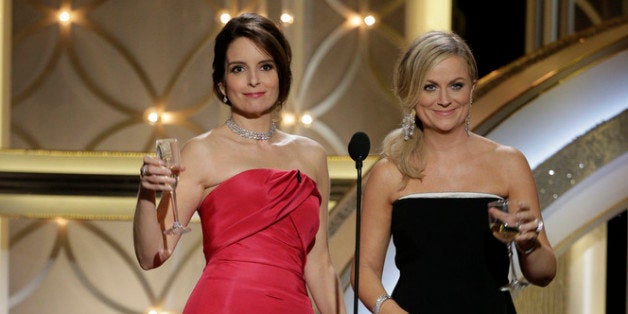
155,176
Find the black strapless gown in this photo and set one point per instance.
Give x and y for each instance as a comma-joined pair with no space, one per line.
448,260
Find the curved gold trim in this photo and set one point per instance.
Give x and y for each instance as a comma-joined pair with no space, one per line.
503,91
89,167
70,162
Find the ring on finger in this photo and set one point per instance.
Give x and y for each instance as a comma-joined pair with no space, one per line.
144,170
539,227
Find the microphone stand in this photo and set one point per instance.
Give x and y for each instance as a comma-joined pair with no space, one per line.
358,166
359,146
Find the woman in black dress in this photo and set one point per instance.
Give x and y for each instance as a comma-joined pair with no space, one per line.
430,193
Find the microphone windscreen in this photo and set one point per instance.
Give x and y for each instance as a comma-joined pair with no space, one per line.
359,146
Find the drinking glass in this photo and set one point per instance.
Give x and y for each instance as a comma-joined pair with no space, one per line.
506,231
168,151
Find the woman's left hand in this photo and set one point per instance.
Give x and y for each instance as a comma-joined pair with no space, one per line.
530,226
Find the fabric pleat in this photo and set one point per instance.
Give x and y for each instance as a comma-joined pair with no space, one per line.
258,227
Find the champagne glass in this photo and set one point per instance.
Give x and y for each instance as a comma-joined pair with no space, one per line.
506,231
168,151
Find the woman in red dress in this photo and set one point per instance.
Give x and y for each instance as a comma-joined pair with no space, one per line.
261,193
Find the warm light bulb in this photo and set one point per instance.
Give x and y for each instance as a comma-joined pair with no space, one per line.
64,17
288,119
307,119
61,222
166,118
287,18
355,20
225,18
152,117
369,20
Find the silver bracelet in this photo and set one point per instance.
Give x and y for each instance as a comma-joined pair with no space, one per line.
528,251
378,303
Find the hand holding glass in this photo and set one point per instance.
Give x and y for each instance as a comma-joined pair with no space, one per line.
506,231
168,151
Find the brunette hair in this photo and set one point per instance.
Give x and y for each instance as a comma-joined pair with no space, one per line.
267,36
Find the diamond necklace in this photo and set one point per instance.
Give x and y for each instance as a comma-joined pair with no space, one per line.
260,136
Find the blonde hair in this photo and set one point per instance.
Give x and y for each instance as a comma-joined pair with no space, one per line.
422,55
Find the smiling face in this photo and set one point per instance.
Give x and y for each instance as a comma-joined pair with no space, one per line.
444,100
251,82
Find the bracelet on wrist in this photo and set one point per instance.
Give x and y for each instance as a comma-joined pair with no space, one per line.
529,250
378,303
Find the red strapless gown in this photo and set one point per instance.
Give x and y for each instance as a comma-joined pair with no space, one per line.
258,227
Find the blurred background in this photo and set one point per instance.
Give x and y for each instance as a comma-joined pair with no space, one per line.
88,85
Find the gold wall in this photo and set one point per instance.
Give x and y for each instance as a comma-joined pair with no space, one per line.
81,95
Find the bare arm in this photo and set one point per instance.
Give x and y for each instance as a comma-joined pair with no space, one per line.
152,247
380,186
320,274
539,264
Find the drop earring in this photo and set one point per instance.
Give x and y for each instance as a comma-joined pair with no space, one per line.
467,122
407,124
225,99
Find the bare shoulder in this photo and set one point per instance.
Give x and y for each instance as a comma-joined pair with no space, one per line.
384,182
385,173
199,145
304,145
202,151
208,160
385,165
504,156
305,142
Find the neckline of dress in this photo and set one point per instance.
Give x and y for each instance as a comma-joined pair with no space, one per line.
450,195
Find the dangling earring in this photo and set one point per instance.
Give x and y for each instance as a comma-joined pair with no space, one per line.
407,124
225,99
468,119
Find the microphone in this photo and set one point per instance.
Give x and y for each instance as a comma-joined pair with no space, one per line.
359,147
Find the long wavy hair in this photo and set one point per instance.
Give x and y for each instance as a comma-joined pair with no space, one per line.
423,54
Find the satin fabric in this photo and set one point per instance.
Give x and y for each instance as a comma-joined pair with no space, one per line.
258,227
